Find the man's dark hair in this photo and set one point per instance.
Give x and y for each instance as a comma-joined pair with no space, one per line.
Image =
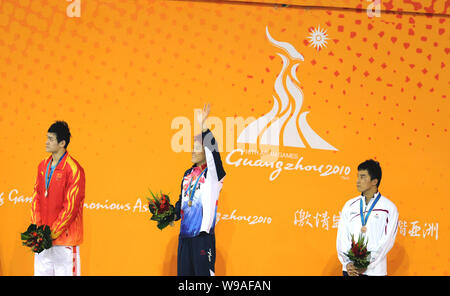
61,129
373,168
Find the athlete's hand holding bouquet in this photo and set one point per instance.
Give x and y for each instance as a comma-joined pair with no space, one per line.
162,211
358,254
38,238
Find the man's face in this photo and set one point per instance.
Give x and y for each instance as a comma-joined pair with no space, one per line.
52,145
363,182
198,153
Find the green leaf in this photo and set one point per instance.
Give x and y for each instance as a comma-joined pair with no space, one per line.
47,230
32,228
47,244
163,224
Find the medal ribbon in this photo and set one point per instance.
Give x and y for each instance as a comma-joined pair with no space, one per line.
48,176
364,219
192,191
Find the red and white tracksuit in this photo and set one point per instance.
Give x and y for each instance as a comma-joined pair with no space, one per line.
62,210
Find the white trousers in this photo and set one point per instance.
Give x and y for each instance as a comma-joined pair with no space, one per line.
58,260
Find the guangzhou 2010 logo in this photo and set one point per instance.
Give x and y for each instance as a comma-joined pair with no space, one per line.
285,122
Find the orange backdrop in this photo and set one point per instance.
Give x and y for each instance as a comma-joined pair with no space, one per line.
422,6
124,72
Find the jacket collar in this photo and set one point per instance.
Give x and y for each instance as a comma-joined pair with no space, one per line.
62,164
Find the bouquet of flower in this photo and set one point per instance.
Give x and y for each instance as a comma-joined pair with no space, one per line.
358,253
37,238
163,212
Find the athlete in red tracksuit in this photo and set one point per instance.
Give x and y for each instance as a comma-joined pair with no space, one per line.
58,199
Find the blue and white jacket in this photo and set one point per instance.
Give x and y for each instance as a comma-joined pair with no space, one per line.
201,215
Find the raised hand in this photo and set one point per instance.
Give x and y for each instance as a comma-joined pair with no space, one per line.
202,115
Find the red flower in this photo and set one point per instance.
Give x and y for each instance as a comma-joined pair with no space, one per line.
363,252
163,207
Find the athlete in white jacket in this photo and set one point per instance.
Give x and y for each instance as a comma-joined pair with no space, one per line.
378,222
197,205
